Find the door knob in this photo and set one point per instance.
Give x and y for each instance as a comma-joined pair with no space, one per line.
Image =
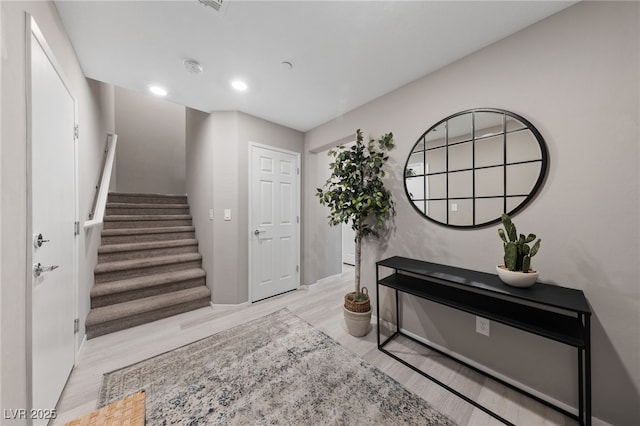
38,269
258,232
38,240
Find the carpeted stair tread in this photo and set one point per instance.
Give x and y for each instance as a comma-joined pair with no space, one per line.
149,304
144,217
146,195
146,206
114,248
140,231
123,265
122,197
131,284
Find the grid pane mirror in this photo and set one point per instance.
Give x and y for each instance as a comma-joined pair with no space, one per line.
468,169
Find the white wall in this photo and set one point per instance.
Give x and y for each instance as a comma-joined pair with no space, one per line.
95,121
217,178
575,77
151,144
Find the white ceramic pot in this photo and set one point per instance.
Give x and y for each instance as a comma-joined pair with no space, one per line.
358,323
517,278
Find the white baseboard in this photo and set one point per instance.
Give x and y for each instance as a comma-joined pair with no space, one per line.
322,281
229,306
568,408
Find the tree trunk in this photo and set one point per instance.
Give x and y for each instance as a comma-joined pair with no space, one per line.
358,262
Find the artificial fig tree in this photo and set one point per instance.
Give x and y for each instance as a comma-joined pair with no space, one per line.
355,193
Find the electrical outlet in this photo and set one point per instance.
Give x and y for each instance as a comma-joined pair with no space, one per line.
483,326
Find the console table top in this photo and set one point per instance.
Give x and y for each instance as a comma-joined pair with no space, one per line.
546,294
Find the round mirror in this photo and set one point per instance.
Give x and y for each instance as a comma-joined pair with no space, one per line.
468,169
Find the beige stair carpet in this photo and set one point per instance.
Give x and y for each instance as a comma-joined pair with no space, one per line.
148,266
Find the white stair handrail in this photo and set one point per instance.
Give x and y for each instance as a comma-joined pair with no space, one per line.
103,186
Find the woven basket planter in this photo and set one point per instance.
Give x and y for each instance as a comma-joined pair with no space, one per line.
351,305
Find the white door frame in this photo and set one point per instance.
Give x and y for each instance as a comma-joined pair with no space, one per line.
32,30
298,202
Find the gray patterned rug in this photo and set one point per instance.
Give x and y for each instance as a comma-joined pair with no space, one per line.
274,370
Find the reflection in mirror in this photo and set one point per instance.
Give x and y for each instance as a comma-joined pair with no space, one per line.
460,212
460,129
487,124
486,209
436,186
415,166
461,156
490,182
521,178
436,160
437,210
490,151
436,137
461,184
522,146
469,168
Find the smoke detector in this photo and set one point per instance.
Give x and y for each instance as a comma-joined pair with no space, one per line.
192,66
214,4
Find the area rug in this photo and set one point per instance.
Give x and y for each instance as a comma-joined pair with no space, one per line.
274,370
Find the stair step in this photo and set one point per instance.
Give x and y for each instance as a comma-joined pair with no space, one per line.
145,209
114,271
125,197
109,319
114,292
137,250
146,221
127,235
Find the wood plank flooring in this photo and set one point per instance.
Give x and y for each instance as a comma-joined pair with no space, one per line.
320,306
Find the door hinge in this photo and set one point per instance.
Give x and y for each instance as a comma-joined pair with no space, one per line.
76,228
297,268
76,132
298,171
76,325
297,219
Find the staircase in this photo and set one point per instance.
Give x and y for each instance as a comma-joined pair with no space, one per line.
148,264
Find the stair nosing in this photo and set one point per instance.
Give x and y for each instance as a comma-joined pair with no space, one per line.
121,205
147,195
146,245
145,217
125,265
144,282
145,231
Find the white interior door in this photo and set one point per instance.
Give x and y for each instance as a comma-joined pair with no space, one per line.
53,213
274,222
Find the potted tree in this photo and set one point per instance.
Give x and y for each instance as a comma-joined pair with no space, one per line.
355,195
516,270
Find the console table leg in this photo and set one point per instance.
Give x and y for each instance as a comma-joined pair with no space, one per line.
587,367
581,393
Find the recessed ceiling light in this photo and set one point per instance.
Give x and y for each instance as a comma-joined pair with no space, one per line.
287,66
158,91
239,85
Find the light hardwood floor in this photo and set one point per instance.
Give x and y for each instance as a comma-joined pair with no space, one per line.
320,306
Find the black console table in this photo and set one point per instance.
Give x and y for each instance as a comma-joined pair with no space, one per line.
535,309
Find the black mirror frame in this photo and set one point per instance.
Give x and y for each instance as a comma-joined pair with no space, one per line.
539,182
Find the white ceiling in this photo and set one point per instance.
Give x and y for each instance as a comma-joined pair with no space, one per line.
344,53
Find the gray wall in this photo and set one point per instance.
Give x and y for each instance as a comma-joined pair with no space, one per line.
575,77
95,118
151,144
217,178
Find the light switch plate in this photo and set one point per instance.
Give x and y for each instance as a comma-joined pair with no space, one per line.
227,214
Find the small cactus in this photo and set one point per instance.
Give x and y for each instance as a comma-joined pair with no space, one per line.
517,253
